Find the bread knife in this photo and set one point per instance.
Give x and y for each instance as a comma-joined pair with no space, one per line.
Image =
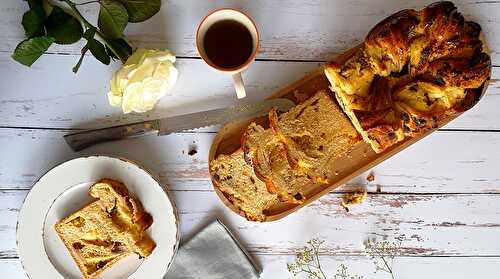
164,126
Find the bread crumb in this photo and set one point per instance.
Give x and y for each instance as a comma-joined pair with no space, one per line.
370,177
353,198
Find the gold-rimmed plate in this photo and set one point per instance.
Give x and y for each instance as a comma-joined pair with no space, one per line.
63,190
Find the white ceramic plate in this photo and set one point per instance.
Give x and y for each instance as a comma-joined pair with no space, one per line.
63,190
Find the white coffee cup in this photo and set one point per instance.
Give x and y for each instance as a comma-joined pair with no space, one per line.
245,20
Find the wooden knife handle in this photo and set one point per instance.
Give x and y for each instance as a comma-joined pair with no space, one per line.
81,140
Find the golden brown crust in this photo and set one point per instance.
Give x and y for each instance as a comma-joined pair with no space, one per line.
441,20
462,72
387,44
424,50
425,67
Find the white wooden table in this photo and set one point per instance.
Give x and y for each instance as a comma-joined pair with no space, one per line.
442,195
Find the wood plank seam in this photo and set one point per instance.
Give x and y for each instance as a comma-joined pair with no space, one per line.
190,132
199,58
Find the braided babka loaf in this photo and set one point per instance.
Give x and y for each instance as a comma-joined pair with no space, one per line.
415,70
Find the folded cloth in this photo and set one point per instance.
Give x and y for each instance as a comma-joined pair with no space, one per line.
213,253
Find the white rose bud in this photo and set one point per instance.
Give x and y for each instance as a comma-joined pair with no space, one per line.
143,80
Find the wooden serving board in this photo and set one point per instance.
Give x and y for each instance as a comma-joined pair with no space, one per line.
343,168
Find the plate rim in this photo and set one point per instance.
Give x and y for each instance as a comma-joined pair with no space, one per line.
163,187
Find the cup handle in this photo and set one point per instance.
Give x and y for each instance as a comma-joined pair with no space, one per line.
239,86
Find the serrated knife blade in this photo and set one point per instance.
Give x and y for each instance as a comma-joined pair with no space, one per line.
217,116
164,126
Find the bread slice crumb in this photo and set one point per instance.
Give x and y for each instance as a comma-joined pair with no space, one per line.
353,198
235,178
370,177
106,230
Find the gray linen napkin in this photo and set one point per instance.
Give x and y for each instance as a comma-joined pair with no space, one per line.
213,253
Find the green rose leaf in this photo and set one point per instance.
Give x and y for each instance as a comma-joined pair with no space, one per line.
99,51
141,10
113,18
47,7
28,51
120,48
63,27
89,33
96,48
110,53
33,22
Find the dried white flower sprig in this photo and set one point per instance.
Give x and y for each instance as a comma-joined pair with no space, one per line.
307,263
343,273
383,253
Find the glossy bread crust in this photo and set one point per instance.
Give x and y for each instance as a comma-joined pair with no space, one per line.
415,70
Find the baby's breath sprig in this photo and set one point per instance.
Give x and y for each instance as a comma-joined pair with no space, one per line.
307,263
383,253
342,273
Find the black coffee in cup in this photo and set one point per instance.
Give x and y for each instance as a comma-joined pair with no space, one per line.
228,44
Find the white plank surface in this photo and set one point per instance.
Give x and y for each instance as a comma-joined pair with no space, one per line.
80,101
441,195
404,268
290,29
55,97
430,225
426,167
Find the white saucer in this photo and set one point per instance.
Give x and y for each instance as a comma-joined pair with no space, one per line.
63,190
